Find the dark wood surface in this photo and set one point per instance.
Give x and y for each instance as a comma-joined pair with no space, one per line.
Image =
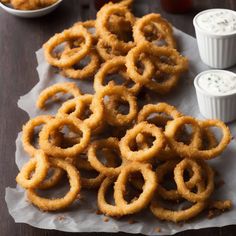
19,39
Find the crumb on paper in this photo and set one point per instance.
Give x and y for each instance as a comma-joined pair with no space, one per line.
222,205
60,218
105,219
180,224
157,229
98,212
213,213
132,221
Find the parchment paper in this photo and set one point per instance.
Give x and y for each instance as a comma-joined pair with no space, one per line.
81,217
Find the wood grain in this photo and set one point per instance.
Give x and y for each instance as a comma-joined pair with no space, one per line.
19,39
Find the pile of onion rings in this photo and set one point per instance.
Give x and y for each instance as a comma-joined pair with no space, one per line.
141,50
105,140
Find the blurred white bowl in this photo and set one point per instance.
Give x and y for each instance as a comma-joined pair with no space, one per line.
30,13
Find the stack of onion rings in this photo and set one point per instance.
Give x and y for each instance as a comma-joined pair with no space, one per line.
133,149
146,46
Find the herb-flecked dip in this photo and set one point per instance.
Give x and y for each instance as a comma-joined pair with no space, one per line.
218,21
218,83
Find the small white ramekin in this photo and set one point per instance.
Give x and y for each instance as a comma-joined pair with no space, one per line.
221,107
217,51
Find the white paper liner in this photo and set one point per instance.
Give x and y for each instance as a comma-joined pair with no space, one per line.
81,217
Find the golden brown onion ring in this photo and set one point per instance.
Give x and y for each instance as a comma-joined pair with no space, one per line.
114,65
58,203
70,88
163,26
181,148
87,71
192,151
169,166
176,216
148,190
146,154
102,30
77,108
151,50
40,165
76,54
202,195
28,133
110,144
55,125
113,117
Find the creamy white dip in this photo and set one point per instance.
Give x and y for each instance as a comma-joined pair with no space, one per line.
218,83
217,21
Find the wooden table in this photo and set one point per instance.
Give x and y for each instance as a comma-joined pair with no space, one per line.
19,39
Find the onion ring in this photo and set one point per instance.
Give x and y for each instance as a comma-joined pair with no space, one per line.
90,26
52,180
58,203
102,30
40,164
27,136
112,66
176,216
167,109
152,50
162,87
87,71
113,117
110,143
70,88
149,187
180,148
84,164
161,107
106,52
28,133
208,139
170,166
104,207
88,183
217,150
78,106
184,190
193,151
76,53
161,24
57,123
142,155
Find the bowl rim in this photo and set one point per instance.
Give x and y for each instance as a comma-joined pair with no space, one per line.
201,90
9,9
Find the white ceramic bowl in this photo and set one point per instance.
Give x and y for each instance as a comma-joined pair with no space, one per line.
221,107
30,13
216,50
